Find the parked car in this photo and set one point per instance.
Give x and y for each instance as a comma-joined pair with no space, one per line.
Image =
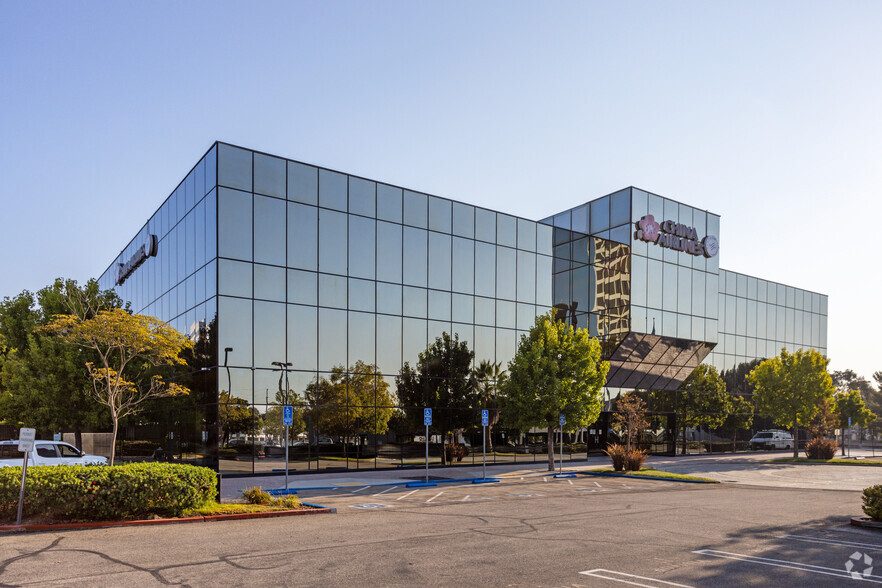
49,453
771,440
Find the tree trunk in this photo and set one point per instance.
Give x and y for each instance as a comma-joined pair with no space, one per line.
842,428
113,439
78,437
734,433
550,449
795,439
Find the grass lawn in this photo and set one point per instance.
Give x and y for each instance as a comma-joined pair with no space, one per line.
655,474
835,461
215,508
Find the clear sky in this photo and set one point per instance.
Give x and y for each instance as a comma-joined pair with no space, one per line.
767,113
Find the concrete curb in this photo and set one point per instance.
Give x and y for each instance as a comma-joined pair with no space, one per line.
612,475
313,510
865,523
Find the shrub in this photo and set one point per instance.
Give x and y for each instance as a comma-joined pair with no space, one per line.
617,455
104,493
820,448
257,495
634,460
873,502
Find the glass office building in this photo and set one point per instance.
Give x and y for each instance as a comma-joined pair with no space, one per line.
265,262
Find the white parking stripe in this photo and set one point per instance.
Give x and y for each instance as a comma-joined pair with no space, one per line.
360,489
466,498
571,482
611,575
875,546
596,484
434,497
406,495
783,563
386,490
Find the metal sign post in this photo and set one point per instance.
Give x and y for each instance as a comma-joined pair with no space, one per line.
485,420
562,420
25,445
287,420
427,420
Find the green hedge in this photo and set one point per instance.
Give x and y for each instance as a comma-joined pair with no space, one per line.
101,493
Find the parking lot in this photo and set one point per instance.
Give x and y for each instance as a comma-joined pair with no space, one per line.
508,488
530,529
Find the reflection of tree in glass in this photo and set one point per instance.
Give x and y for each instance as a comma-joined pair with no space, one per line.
349,404
489,376
442,380
237,416
272,420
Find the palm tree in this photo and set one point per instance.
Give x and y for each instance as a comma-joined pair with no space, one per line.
489,376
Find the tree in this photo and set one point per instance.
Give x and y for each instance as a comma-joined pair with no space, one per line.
359,399
489,375
789,388
44,383
740,416
557,370
851,410
236,416
442,380
630,416
704,400
129,348
700,401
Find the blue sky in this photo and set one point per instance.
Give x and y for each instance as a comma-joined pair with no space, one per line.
766,113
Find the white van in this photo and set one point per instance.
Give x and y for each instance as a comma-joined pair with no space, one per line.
772,440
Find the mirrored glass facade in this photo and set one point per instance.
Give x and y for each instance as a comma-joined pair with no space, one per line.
269,262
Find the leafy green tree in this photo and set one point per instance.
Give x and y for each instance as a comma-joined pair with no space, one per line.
790,387
851,410
272,419
442,380
700,401
43,380
704,399
557,370
129,348
236,416
489,375
739,417
350,403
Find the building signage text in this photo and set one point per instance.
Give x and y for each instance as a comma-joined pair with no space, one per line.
676,236
147,249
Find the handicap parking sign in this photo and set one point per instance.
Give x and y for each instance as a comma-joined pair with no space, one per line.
287,416
563,420
485,418
427,417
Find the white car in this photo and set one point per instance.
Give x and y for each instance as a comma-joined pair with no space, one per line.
48,453
772,440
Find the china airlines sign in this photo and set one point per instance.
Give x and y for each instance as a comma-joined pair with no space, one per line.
676,236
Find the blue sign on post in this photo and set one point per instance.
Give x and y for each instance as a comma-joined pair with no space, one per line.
427,417
287,416
563,420
849,422
485,418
